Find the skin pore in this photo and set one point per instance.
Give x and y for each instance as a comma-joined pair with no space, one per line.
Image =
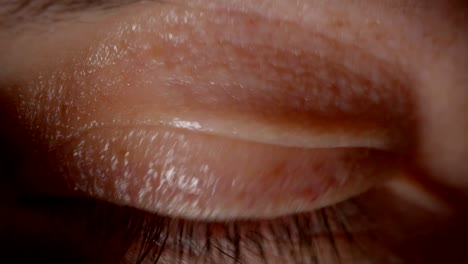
246,112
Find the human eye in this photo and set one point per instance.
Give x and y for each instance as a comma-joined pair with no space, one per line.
226,132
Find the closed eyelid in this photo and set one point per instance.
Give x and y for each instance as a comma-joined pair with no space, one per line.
305,82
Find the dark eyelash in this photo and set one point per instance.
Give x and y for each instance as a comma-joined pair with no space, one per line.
230,245
122,228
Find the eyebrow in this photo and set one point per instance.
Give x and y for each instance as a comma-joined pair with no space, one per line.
64,5
17,12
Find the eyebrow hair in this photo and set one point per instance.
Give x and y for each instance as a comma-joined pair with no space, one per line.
14,12
63,5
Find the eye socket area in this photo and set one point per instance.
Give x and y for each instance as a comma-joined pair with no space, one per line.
206,135
242,95
388,119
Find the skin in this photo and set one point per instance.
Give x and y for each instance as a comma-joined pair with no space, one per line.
412,55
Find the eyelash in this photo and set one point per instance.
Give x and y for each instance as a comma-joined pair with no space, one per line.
150,235
234,238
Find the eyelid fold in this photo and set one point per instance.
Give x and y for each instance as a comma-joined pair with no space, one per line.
198,176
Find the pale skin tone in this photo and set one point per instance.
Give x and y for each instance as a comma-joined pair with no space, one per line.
233,94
